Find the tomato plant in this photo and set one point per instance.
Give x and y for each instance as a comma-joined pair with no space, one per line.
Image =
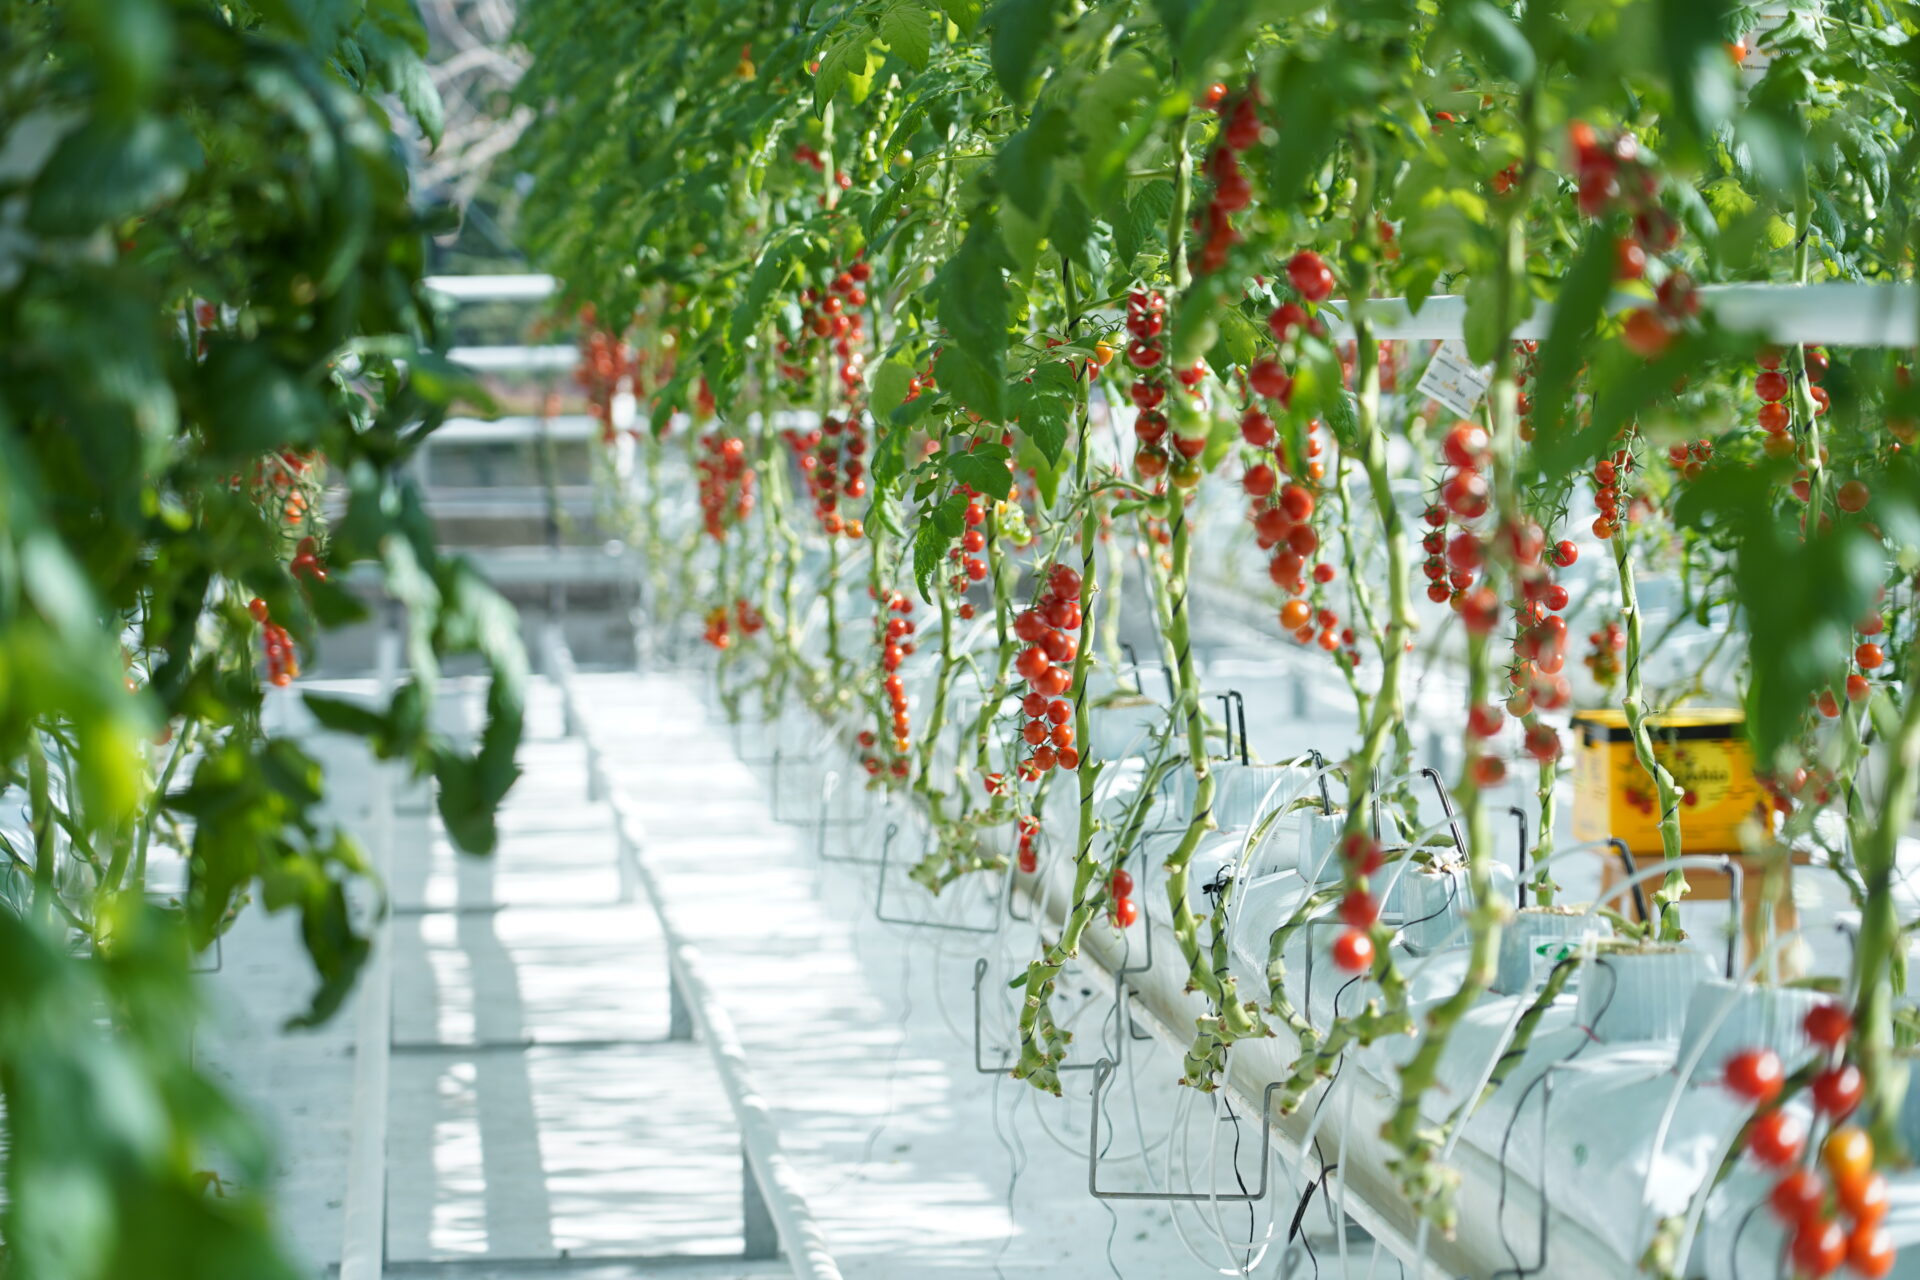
213,323
1068,287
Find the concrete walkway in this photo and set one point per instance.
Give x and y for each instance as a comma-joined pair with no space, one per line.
542,1123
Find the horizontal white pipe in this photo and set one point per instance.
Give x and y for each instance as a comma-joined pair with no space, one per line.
513,429
1836,313
511,359
515,288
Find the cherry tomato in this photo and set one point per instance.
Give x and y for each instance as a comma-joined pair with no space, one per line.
1125,912
1837,1090
1797,1195
1777,1138
1864,1199
1819,1247
1848,1153
1358,909
1869,1251
1353,951
1756,1075
1121,884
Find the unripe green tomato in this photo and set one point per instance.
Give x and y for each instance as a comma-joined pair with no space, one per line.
1348,190
902,158
1160,507
1186,473
1317,204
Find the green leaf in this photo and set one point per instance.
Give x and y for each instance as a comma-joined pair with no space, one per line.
1025,167
1577,310
109,169
1071,227
983,469
1021,29
964,14
769,274
966,383
1692,40
973,309
887,388
1044,404
345,715
1496,41
907,30
1113,115
849,64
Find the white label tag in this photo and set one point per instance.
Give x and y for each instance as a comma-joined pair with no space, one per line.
1454,380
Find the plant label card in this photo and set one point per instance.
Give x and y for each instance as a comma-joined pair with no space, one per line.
1454,380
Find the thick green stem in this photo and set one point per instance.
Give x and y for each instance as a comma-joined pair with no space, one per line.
41,818
1876,840
1667,794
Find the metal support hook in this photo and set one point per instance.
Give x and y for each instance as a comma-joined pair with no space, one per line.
880,898
1104,1068
1320,771
1520,859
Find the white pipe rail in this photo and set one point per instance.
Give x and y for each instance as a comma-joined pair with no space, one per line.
1836,313
504,288
771,1178
515,359
1841,313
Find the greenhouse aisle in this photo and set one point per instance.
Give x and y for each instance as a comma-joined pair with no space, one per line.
860,1032
541,1121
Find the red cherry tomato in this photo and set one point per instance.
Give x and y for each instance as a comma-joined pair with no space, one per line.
1777,1138
1870,1251
1864,1199
1353,951
1837,1090
1358,909
1121,884
1756,1075
1819,1247
1125,912
1797,1195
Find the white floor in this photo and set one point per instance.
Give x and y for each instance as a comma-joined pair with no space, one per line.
542,1124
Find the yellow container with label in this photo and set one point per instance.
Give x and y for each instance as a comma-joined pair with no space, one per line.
1709,757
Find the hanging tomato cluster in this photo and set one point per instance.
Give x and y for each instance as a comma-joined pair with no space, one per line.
1146,318
721,623
894,636
1361,856
605,362
283,664
973,545
1231,190
1047,629
1029,827
1809,1205
1610,496
1463,497
1603,656
306,561
726,482
1122,910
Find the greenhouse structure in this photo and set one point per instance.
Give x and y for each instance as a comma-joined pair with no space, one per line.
877,639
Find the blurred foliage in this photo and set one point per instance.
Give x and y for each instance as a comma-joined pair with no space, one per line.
210,313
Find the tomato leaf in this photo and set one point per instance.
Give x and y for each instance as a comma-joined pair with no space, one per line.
983,469
907,29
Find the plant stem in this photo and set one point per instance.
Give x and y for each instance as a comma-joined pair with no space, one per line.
1633,702
1876,839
